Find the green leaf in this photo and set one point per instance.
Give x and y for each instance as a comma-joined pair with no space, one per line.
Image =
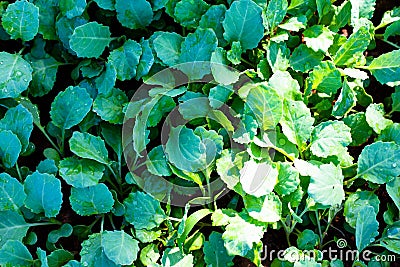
275,13
345,102
109,106
221,73
47,19
213,19
59,257
204,42
278,56
120,247
92,253
240,236
392,30
265,104
12,192
188,12
43,194
10,148
391,133
379,162
386,68
328,138
90,39
89,146
143,211
70,107
342,16
326,182
296,122
215,253
64,231
146,60
15,76
234,55
375,118
14,253
391,237
366,227
304,59
351,50
355,202
243,22
134,14
288,179
81,172
168,47
294,23
72,8
96,199
307,240
258,179
325,78
106,4
266,208
113,137
65,28
318,38
147,236
12,226
21,20
361,9
360,130
173,257
106,81
44,74
149,255
157,162
125,59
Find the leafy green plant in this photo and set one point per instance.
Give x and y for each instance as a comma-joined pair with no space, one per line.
193,132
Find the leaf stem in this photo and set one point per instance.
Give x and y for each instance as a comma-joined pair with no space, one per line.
62,141
318,225
48,138
247,62
18,171
287,232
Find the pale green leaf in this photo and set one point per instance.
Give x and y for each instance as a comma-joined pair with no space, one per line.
106,81
386,68
109,106
15,254
294,23
92,253
267,208
366,227
328,138
146,60
243,22
91,200
90,39
275,13
296,122
143,211
278,56
12,226
157,162
149,255
173,257
361,9
304,59
134,14
325,78
125,59
258,179
43,194
15,76
234,55
355,202
70,107
375,118
288,179
318,38
81,172
12,192
168,47
89,146
349,52
21,20
379,162
120,247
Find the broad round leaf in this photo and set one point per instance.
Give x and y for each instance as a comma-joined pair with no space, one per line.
81,172
12,226
120,247
14,253
12,192
91,200
109,106
10,148
90,39
70,107
21,20
134,14
89,146
15,76
125,59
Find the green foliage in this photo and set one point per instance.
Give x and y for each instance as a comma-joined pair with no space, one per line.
195,132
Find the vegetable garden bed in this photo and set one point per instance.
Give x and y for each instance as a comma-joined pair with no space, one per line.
199,133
